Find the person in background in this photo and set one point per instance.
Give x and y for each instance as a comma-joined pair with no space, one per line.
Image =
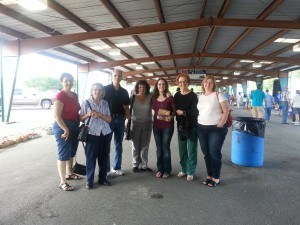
296,106
239,100
277,99
163,127
212,129
141,126
118,101
245,101
270,101
98,140
226,95
258,97
65,129
285,101
186,116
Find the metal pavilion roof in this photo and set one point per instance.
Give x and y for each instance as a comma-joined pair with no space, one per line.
211,35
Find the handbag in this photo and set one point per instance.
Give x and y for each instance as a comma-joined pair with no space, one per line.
127,130
183,129
84,128
229,117
79,169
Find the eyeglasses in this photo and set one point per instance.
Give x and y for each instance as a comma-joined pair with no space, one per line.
182,82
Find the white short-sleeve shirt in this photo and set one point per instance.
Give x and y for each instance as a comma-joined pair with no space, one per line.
210,111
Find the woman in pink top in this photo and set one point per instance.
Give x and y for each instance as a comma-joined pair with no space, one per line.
65,129
163,126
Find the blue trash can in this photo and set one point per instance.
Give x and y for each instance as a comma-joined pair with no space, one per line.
247,146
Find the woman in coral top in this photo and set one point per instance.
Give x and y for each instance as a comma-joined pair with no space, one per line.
65,129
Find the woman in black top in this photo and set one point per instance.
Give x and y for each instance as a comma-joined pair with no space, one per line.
186,115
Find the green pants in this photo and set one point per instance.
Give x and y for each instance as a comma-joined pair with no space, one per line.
188,153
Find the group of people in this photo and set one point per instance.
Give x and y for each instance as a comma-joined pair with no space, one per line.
263,103
200,118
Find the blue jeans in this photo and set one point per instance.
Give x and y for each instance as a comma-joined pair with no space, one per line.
285,111
117,126
211,140
268,113
163,152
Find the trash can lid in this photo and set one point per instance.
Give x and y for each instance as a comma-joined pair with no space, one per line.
248,119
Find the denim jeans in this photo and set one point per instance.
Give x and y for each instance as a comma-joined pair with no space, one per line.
211,140
285,111
117,126
163,152
268,113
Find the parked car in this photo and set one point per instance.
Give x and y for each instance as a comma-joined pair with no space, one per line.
43,99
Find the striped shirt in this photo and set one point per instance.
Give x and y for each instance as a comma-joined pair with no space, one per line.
97,126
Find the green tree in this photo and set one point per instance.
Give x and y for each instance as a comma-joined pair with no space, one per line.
45,83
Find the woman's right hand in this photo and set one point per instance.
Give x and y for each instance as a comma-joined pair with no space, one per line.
66,134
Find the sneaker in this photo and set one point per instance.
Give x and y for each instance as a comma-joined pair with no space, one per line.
117,172
135,169
190,178
296,124
181,174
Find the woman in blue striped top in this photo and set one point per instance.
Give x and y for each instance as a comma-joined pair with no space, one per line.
98,141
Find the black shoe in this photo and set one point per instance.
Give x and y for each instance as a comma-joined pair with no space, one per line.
106,183
135,169
147,170
89,186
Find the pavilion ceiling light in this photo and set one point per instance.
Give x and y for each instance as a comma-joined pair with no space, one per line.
236,73
115,52
265,62
150,74
127,44
256,65
33,4
147,63
287,40
225,78
139,67
247,61
296,48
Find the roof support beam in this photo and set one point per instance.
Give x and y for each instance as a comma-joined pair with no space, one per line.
103,65
39,44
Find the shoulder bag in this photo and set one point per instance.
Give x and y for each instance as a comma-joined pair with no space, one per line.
84,128
127,131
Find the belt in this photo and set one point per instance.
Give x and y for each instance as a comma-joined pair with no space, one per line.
117,115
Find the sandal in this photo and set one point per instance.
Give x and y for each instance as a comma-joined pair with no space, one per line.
66,187
158,174
207,181
166,175
213,183
73,177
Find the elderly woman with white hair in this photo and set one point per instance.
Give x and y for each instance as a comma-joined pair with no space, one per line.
98,140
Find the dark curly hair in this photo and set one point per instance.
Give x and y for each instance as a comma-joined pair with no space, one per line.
156,91
67,75
142,82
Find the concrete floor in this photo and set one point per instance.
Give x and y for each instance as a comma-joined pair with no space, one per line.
270,194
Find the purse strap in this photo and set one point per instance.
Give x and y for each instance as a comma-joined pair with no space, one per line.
89,116
131,104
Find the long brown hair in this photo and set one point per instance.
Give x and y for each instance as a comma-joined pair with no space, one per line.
156,91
